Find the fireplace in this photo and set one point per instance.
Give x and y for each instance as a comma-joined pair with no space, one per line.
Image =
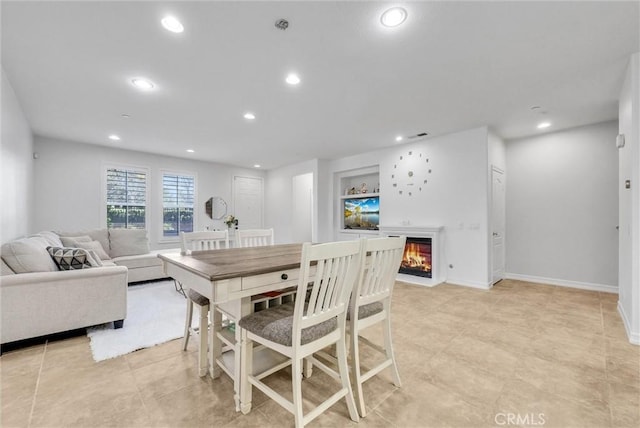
422,262
416,259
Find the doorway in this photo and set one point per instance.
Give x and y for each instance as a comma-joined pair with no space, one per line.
497,224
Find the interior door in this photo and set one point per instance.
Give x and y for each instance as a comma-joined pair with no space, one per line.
498,223
248,202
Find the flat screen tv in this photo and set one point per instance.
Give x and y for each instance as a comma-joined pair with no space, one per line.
362,213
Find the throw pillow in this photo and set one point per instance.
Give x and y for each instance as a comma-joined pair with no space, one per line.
100,235
69,258
87,243
97,261
70,241
128,242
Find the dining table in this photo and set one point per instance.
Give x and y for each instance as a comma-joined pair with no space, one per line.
229,278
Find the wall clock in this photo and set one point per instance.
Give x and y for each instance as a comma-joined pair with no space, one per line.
410,173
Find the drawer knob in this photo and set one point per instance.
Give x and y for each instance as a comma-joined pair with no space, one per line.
284,276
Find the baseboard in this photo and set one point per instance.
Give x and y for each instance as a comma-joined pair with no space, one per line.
564,283
634,337
471,284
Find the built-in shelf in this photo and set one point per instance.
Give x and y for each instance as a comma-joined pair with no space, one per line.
360,195
365,179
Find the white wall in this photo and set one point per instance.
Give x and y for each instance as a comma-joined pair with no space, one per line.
629,215
69,184
562,207
455,196
16,166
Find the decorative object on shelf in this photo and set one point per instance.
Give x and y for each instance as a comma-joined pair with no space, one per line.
363,188
352,191
231,221
410,173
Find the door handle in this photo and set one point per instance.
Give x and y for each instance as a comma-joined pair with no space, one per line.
495,234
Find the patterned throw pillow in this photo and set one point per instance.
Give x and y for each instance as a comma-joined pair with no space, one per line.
69,258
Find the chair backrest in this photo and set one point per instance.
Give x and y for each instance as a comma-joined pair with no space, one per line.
254,237
332,269
379,270
200,241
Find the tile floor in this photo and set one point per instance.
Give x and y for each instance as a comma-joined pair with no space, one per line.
520,354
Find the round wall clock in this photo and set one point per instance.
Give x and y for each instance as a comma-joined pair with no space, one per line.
410,173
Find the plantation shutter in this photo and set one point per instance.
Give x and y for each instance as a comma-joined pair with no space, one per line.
126,198
178,204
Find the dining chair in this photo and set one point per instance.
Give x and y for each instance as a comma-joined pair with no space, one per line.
297,330
254,237
371,301
199,241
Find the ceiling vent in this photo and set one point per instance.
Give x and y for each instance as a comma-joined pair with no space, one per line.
420,135
282,24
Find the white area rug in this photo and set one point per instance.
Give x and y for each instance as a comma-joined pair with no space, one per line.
155,314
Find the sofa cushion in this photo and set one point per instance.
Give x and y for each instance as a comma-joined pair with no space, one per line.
139,260
28,255
5,269
128,242
70,258
50,237
87,243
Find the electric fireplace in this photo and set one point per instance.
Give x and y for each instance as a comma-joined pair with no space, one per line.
422,262
416,259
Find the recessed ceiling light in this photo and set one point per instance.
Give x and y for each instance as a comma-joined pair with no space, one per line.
143,84
393,17
172,24
250,116
544,125
292,79
399,138
256,165
114,137
190,151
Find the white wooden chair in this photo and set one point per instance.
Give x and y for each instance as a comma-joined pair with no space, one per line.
198,241
371,300
298,330
254,237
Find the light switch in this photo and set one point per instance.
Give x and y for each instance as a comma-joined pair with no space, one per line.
627,184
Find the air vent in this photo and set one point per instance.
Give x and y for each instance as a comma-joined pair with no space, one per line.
420,135
282,24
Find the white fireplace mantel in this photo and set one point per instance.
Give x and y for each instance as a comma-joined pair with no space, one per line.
437,265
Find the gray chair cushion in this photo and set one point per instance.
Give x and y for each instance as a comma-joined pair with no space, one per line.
367,310
276,324
197,298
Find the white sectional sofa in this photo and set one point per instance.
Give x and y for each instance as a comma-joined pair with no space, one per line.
37,298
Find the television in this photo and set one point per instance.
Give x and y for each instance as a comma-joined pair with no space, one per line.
361,213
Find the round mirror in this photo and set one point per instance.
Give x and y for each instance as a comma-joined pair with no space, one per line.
216,208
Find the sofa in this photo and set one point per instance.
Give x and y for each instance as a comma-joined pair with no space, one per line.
58,281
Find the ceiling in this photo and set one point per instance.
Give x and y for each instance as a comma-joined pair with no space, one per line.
450,66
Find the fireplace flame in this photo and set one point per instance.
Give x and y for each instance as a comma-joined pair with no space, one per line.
414,259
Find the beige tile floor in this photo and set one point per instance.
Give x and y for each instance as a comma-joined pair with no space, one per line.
539,355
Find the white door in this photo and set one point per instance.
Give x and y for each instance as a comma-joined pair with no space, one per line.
302,210
248,201
498,223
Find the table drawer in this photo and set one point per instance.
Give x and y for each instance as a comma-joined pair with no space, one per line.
285,277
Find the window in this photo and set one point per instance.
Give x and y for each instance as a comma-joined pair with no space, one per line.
126,198
177,204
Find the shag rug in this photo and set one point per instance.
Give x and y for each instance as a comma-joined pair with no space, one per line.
155,315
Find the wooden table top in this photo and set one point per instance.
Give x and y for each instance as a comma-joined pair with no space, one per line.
216,265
